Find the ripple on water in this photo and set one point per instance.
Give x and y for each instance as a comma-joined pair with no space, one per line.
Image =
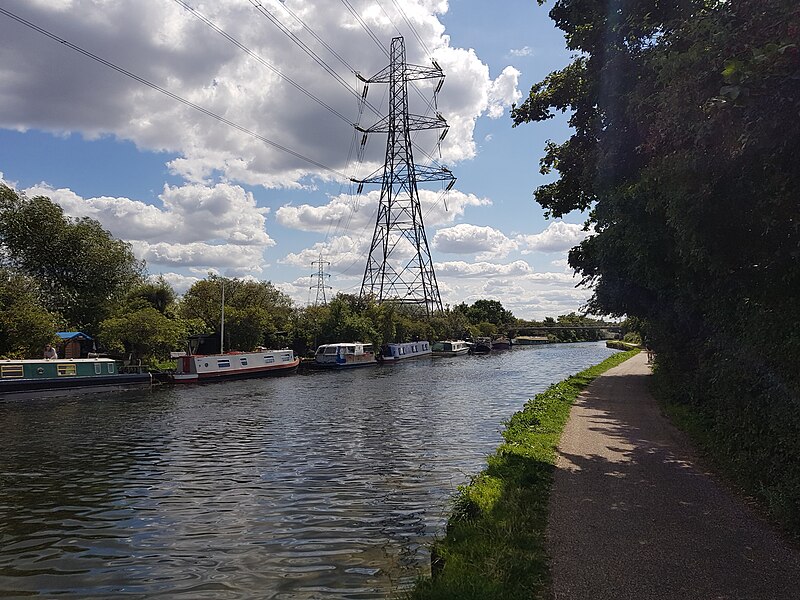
328,485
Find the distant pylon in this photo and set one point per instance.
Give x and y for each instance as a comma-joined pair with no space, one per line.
399,267
320,275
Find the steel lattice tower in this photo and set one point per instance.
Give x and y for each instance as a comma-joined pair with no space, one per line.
399,267
320,275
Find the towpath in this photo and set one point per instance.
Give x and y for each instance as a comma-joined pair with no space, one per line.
633,516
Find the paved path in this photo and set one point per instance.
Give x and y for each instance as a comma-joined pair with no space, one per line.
632,517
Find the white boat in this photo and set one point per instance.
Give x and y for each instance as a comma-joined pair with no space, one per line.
344,355
450,348
193,368
391,353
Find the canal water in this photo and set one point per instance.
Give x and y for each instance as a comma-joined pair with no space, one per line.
319,485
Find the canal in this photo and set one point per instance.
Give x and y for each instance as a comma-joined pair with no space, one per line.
319,485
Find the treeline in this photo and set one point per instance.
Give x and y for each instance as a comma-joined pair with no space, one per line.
59,273
685,149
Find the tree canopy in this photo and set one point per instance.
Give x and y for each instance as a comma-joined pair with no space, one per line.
684,149
80,267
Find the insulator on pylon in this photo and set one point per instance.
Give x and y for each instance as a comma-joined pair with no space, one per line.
364,140
444,134
364,93
360,188
450,185
439,87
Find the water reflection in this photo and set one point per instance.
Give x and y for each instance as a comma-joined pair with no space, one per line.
319,485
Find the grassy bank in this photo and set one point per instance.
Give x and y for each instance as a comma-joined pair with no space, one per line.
494,546
620,345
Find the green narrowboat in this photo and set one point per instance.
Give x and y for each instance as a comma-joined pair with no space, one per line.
57,377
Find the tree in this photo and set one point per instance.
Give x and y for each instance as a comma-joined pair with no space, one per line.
489,311
143,334
25,325
256,311
81,269
685,147
156,293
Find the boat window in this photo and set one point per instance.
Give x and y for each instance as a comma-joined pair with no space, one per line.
11,371
351,349
67,370
98,368
331,350
223,363
269,359
425,346
321,350
243,361
401,350
288,357
367,348
111,367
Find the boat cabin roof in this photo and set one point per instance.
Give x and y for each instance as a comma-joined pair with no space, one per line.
48,361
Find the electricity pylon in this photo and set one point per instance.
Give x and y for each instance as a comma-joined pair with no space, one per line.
399,267
320,275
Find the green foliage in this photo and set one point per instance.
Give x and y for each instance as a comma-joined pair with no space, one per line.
145,333
81,269
494,547
685,145
156,293
486,311
256,312
25,325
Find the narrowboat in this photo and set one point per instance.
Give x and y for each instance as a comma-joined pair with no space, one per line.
343,355
391,353
482,345
198,368
34,378
502,343
450,348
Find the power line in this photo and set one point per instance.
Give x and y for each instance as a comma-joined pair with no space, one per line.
268,65
365,27
305,48
411,26
169,94
317,37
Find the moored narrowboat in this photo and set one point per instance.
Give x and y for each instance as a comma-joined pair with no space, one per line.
450,348
34,378
343,355
394,352
198,368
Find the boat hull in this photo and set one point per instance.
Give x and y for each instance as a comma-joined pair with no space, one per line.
202,368
47,388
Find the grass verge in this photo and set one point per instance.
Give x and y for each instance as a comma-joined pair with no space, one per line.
494,545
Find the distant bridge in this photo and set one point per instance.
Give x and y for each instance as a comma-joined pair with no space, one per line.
545,328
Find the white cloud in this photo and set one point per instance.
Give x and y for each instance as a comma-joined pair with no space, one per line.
503,92
558,237
204,227
49,87
524,51
346,254
180,283
485,242
355,213
482,269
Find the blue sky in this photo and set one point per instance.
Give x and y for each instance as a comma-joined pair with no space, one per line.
194,196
